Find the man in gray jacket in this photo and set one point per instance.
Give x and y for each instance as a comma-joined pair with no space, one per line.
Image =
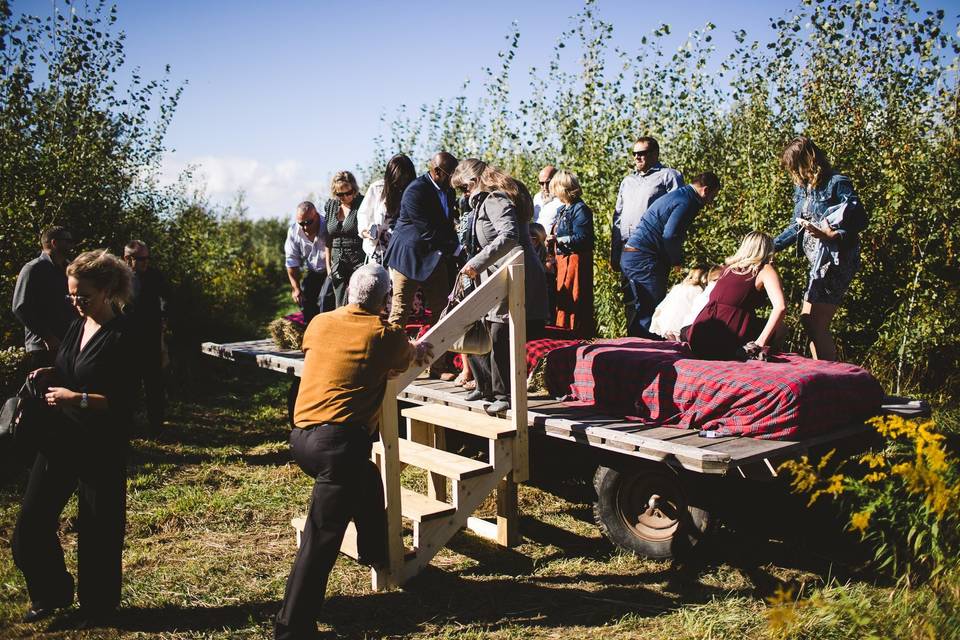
39,299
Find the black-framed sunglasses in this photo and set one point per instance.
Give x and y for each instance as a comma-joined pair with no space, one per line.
345,194
543,184
639,153
306,223
78,300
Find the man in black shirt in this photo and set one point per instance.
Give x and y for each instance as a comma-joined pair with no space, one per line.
39,299
147,320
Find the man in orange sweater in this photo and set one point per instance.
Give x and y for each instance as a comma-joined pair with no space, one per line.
349,354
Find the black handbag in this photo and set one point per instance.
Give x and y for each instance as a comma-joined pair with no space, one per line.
16,408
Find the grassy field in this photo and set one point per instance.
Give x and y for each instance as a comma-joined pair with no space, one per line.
209,546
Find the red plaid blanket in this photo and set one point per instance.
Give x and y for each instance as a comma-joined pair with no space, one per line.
660,384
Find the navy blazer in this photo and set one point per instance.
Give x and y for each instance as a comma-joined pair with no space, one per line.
423,234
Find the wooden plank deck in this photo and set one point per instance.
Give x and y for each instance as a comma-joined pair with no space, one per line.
683,448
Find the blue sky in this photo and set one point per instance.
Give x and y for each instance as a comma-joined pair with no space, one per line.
281,94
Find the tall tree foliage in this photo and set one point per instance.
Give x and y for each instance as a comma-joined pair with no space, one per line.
874,83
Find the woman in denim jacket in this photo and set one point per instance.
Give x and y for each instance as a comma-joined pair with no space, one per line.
818,188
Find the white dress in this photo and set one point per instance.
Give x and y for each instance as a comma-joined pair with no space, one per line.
669,315
370,216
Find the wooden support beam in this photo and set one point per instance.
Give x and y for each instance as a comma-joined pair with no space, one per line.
390,474
518,371
508,520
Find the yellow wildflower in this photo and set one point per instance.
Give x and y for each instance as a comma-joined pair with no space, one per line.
876,476
873,460
860,521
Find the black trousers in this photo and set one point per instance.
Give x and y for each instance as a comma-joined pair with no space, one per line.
97,472
151,376
316,296
347,487
492,370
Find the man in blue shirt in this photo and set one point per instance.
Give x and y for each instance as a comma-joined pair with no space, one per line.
656,244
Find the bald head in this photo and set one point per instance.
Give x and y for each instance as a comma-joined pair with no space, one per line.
544,179
442,166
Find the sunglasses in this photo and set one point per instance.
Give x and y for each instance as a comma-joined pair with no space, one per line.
344,194
306,223
639,153
77,300
543,184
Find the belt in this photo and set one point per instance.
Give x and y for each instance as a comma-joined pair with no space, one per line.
627,247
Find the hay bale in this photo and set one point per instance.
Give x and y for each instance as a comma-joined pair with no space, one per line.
286,334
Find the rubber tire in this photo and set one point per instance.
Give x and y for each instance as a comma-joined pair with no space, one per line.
609,483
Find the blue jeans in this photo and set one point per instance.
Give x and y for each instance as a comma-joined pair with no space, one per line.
647,277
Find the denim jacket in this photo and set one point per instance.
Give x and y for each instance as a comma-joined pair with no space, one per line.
837,189
574,228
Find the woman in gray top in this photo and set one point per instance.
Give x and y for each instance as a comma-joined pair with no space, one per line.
502,212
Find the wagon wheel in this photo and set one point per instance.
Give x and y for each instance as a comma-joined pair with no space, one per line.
646,511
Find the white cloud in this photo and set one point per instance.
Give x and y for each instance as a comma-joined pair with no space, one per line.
270,190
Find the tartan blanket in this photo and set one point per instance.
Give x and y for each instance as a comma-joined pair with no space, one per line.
660,384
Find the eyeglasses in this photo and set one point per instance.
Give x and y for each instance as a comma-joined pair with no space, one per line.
543,184
344,194
78,300
638,153
306,223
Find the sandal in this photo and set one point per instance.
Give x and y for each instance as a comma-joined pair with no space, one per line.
460,380
470,385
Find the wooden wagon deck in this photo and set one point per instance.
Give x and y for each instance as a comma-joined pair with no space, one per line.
684,448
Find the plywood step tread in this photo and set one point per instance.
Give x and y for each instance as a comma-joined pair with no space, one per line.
349,545
471,422
446,464
419,507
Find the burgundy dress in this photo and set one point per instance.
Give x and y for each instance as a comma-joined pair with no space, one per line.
729,320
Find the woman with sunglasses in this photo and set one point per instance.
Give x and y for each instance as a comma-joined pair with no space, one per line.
344,252
80,436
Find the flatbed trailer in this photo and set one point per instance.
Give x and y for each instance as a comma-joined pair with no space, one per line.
654,484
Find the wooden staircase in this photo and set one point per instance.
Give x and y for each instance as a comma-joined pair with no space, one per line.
436,517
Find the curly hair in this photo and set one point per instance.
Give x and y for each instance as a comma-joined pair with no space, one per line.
105,272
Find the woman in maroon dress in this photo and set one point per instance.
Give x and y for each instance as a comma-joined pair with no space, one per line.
729,321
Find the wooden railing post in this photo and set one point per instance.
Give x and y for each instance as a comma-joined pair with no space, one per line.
518,372
390,474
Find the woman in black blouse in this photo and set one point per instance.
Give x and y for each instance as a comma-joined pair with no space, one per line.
81,440
344,252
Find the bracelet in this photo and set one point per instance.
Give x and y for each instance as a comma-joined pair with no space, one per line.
84,400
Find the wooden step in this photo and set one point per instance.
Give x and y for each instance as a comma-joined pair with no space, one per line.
349,545
471,422
420,508
446,464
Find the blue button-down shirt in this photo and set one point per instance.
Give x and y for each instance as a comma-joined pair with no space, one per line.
663,228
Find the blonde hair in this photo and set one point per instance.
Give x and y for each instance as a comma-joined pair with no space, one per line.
343,177
564,185
105,272
490,179
805,162
715,272
755,251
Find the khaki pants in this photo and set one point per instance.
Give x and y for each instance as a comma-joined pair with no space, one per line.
436,288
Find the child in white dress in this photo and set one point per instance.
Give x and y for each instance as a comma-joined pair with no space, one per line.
700,301
669,314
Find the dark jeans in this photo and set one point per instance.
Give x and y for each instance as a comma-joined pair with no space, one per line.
347,487
647,276
492,370
343,263
316,296
68,462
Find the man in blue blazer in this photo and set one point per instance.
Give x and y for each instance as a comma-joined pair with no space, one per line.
656,245
424,240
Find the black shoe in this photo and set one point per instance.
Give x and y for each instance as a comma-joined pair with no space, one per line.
476,394
36,614
500,406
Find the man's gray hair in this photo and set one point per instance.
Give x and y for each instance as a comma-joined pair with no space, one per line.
369,286
305,207
133,247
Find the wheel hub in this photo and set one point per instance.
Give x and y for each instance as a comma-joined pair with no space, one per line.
649,508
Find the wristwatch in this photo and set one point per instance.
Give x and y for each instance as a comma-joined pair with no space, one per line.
84,401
